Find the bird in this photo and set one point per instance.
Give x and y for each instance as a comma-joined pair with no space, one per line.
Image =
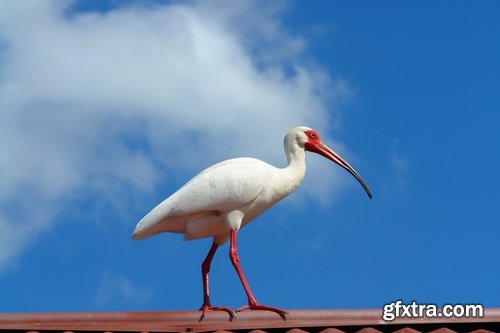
225,197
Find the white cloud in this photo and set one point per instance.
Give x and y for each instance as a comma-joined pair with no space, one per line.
315,243
399,162
117,289
92,100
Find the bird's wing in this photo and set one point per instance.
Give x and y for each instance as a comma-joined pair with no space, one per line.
220,188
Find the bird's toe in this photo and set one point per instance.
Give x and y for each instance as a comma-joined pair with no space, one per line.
258,306
206,307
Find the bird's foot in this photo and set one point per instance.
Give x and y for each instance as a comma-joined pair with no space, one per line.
208,307
257,306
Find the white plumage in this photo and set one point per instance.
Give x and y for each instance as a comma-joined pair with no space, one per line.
202,207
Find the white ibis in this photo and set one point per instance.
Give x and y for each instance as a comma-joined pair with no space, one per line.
225,197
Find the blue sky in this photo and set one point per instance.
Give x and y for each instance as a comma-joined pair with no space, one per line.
108,108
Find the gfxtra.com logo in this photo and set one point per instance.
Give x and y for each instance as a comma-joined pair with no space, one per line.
398,309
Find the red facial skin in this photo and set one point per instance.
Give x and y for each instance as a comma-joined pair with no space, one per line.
315,145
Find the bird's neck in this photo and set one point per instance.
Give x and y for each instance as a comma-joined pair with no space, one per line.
296,159
296,167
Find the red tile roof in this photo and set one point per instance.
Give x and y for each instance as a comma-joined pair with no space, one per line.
297,321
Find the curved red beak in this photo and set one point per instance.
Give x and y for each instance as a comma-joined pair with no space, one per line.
322,149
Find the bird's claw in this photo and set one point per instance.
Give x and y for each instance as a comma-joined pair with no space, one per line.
257,306
206,307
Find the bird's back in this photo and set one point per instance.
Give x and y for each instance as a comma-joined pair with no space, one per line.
196,209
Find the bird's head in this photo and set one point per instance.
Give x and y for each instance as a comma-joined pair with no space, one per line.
312,142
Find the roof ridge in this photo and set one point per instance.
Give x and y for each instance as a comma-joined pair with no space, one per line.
190,321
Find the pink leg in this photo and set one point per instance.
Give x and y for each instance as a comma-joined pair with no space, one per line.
205,268
252,302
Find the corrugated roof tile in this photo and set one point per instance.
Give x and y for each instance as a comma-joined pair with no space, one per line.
296,330
369,330
443,330
407,330
331,330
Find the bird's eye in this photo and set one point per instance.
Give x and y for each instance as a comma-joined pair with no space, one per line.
312,135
